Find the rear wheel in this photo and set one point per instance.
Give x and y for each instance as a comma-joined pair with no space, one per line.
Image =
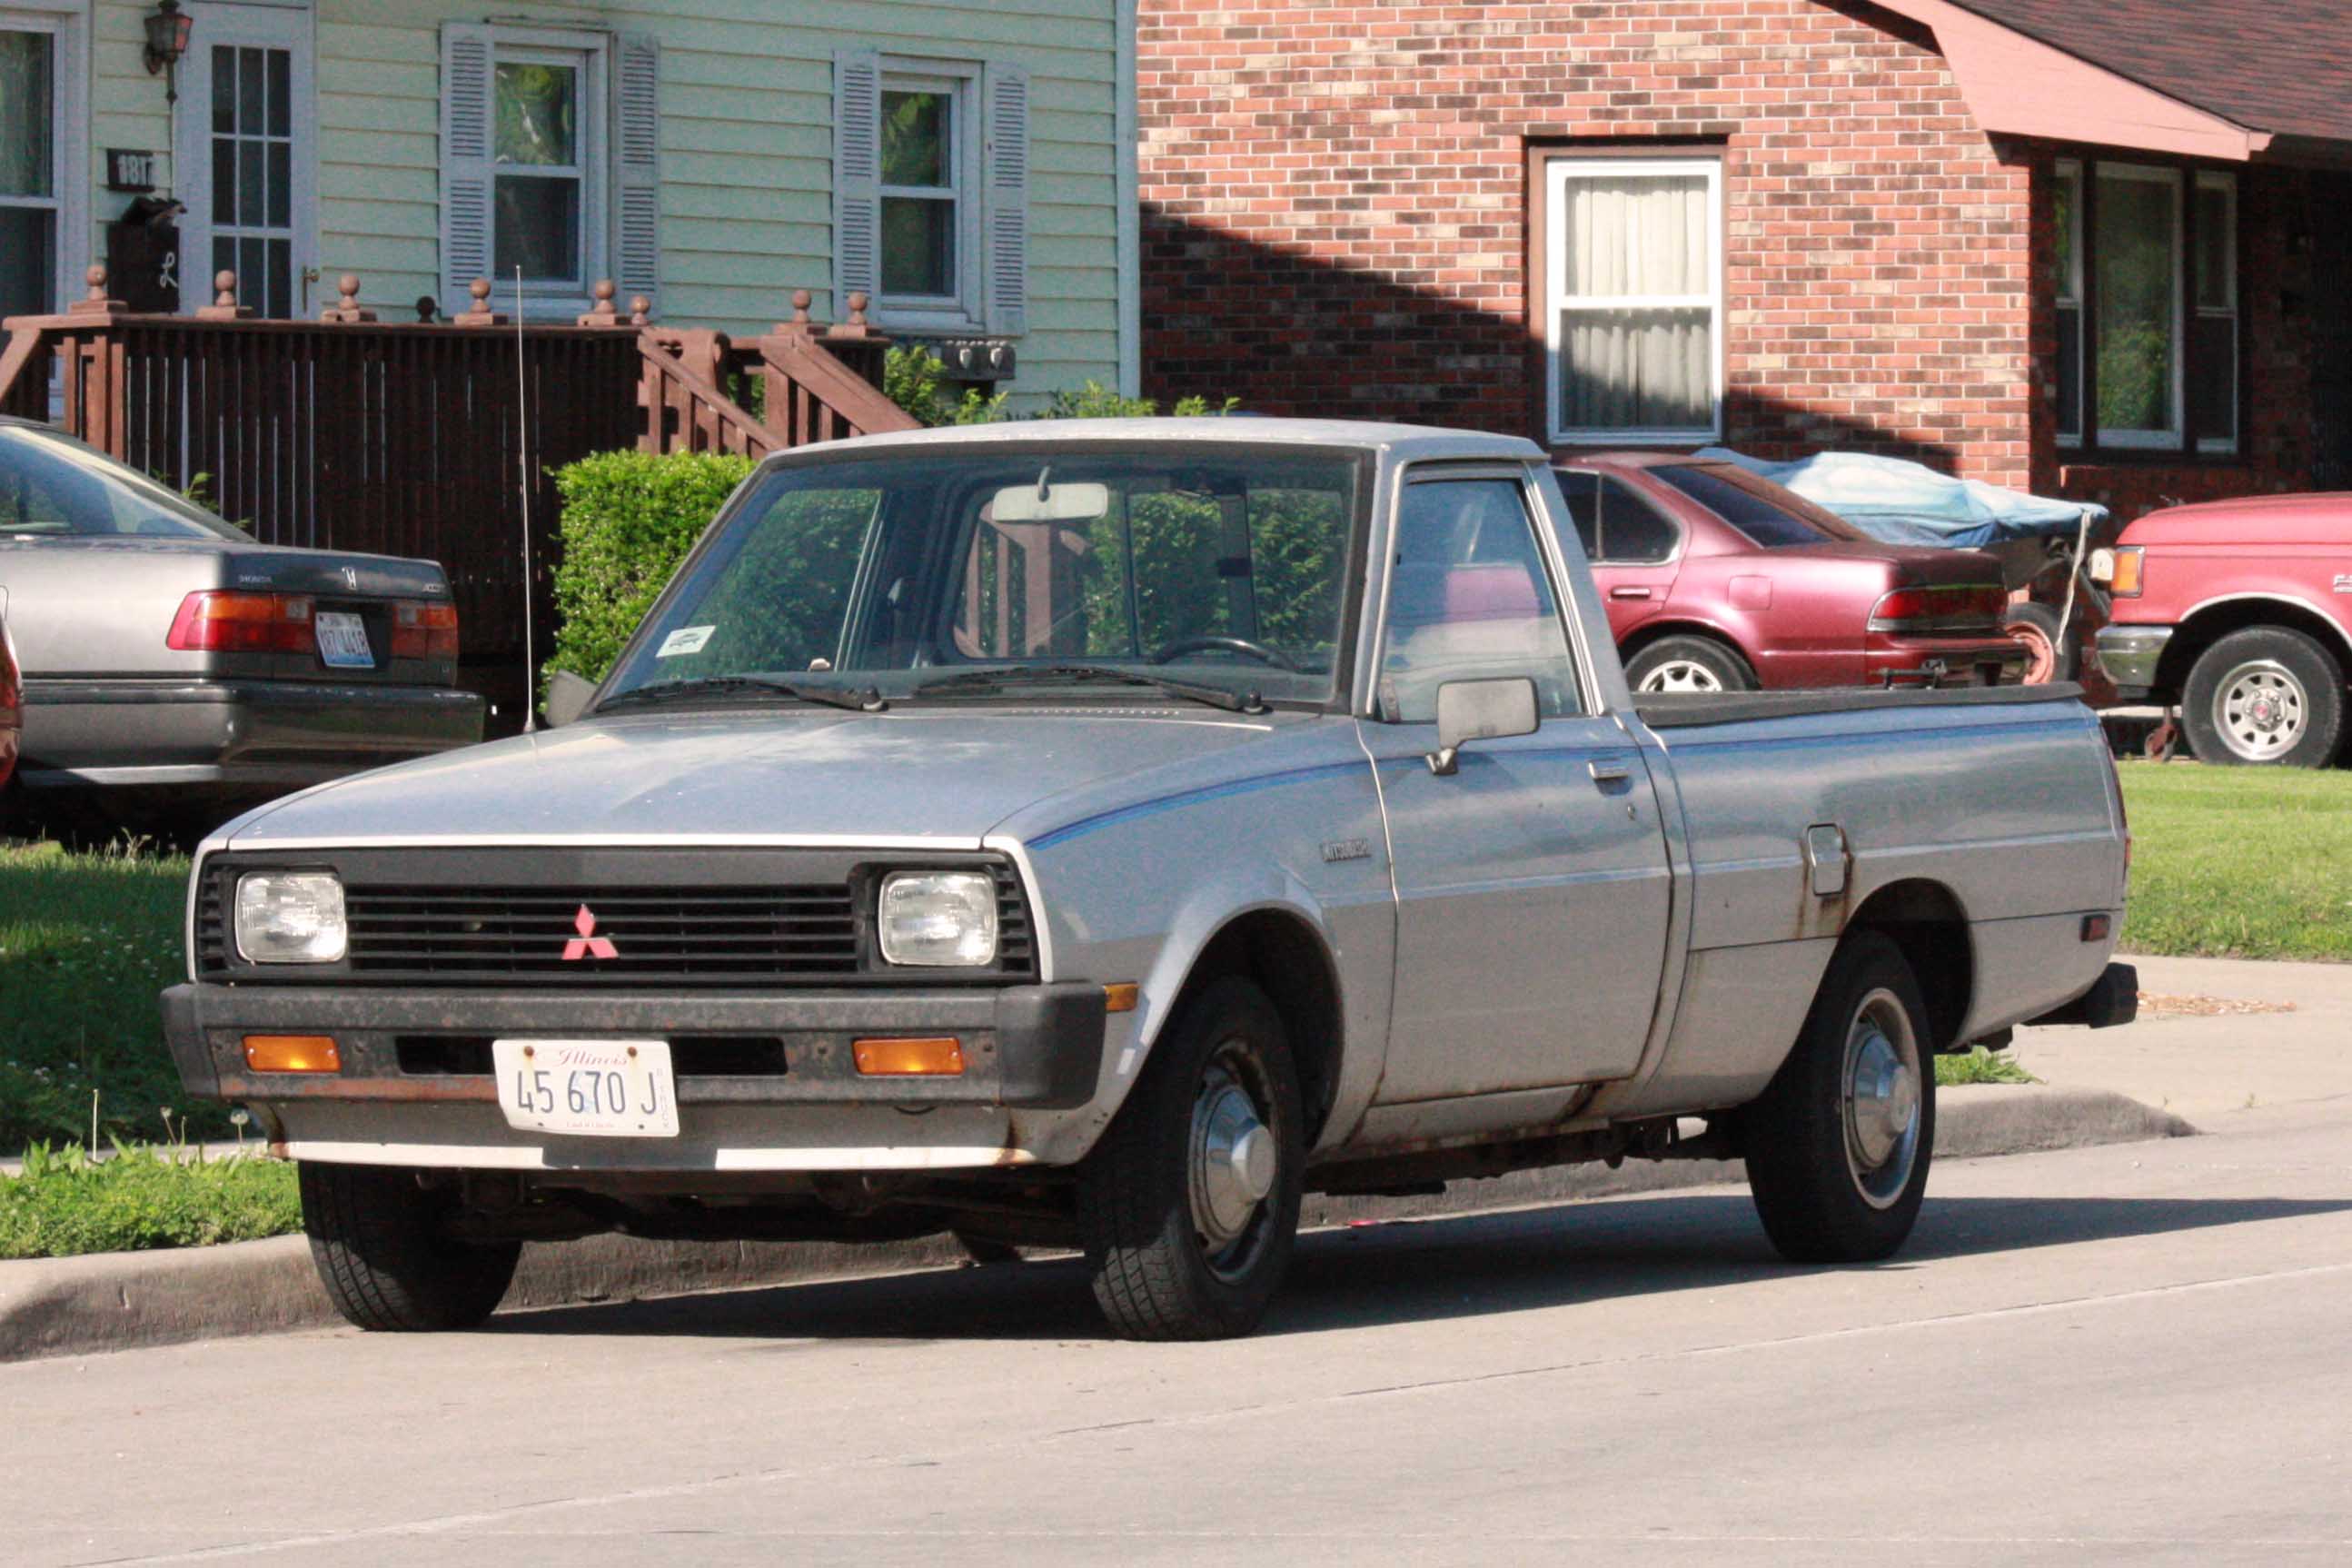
2265,695
1689,664
2048,656
1189,1206
1838,1144
384,1253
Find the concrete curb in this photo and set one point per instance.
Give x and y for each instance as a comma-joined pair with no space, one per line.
111,1301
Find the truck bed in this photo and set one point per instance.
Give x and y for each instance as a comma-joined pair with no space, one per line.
1684,709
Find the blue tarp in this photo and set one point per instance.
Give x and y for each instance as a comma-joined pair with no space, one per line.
1910,503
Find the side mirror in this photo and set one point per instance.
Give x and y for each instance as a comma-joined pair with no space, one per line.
567,695
1480,711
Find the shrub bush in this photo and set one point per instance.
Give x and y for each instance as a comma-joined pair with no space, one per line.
145,1197
629,517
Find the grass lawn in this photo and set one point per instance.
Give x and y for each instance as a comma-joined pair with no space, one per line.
143,1198
2239,862
87,940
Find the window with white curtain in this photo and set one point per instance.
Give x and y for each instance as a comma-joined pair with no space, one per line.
1633,289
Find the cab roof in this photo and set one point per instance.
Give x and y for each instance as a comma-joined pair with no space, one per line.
1405,442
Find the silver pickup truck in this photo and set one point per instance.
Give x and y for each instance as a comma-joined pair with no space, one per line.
1100,835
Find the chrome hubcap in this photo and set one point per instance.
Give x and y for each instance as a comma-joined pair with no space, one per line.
1882,1087
1681,674
2261,710
1233,1161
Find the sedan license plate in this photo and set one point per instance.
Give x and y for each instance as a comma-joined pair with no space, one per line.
344,640
595,1089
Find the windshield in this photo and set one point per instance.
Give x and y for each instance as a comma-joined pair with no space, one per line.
52,484
1042,567
1769,514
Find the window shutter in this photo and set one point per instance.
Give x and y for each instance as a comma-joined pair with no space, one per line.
856,176
1006,212
466,167
636,166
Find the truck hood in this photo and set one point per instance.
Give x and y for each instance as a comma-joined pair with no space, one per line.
944,778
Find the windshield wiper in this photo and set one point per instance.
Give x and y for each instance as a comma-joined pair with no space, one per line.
997,680
863,699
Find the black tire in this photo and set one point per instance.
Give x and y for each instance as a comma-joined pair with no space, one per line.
1158,1274
1821,1198
2264,697
2036,626
384,1254
1685,663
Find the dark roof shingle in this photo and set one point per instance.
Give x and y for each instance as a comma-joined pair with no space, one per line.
2280,66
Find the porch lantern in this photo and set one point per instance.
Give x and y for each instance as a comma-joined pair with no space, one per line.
167,39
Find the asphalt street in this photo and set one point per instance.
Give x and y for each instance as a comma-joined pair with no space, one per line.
2138,1354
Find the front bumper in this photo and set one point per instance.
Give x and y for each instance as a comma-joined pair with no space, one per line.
266,733
1026,1047
2129,654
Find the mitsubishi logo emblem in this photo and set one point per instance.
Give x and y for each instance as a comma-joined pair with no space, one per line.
587,945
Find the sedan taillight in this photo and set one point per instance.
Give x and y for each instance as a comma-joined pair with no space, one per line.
424,630
214,621
1970,606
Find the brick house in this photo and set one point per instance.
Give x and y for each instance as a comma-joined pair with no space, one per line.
2080,245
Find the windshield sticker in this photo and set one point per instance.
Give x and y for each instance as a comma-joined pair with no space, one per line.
685,639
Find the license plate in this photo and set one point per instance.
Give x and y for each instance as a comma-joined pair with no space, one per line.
344,640
595,1089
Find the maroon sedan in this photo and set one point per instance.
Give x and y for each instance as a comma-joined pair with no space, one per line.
1719,581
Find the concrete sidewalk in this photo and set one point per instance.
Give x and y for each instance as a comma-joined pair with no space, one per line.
2222,1071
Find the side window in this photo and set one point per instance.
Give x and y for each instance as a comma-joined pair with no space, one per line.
1631,528
1583,492
1617,525
1469,598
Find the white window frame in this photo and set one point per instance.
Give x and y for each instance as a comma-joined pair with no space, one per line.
2070,296
590,54
2168,440
1559,169
71,180
2203,180
967,140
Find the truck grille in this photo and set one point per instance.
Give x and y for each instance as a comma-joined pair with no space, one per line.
672,919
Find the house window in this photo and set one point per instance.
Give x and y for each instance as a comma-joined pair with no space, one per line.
1633,285
930,192
2146,288
544,131
30,205
928,173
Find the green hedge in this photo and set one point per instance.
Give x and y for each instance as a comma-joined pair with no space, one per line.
629,517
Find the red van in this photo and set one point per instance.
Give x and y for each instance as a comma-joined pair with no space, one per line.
1719,580
2241,612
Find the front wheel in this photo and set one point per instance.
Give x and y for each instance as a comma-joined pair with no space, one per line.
2048,656
1838,1144
383,1251
1189,1207
2266,694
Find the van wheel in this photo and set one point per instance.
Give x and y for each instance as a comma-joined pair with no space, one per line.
1189,1206
2265,695
1689,664
1839,1142
383,1252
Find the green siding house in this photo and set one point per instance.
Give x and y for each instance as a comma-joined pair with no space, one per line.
969,165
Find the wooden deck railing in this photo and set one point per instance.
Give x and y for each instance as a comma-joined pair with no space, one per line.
406,437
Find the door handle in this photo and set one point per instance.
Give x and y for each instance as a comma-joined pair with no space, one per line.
1610,770
1629,592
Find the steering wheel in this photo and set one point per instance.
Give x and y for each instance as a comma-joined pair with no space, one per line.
1243,646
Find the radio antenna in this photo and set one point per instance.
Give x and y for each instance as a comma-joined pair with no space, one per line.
522,457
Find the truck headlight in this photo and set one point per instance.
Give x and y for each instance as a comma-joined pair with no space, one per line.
939,919
291,917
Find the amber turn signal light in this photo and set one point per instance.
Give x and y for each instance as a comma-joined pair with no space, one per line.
292,1053
908,1059
1121,997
